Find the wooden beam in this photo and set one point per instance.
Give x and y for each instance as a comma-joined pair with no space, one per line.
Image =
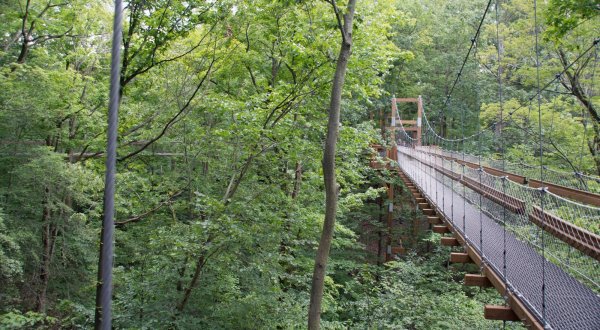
474,255
578,195
440,229
477,280
434,220
428,211
406,99
449,241
571,193
424,206
501,313
460,258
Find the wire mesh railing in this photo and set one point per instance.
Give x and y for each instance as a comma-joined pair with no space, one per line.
510,226
574,180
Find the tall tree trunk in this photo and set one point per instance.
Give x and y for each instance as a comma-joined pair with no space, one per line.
381,241
188,291
331,188
297,180
47,238
203,256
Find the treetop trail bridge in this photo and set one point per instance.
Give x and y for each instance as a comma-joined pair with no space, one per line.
534,240
533,231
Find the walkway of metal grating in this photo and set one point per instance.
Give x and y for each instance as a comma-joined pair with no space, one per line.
553,296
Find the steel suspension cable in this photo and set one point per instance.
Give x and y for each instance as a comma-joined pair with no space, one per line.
473,40
502,145
531,98
464,189
542,189
451,182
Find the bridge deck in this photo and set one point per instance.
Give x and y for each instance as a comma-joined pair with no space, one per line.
568,303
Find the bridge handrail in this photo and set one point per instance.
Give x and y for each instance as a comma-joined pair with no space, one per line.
577,237
581,196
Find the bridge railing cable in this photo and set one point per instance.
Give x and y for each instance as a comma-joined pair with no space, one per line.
522,223
511,113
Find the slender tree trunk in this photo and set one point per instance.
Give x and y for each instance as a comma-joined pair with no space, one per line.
24,50
188,291
594,146
283,245
181,272
381,241
573,84
297,180
331,188
47,234
202,258
26,34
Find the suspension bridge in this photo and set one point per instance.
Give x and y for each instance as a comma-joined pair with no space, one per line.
532,231
534,239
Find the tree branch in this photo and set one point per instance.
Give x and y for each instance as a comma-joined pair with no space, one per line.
151,211
175,118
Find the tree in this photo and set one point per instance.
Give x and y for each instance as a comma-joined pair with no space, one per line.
345,22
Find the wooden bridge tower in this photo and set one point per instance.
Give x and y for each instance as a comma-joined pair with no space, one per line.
412,127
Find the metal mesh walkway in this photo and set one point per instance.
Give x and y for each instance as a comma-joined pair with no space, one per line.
556,298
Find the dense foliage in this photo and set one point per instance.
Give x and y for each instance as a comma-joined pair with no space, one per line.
221,129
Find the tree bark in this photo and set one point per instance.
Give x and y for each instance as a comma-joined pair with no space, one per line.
48,234
26,34
297,180
574,86
381,241
188,291
331,187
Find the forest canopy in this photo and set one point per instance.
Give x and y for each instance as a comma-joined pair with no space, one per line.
222,122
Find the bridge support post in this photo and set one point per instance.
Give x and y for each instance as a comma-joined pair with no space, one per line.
460,258
440,229
449,241
501,313
390,222
477,280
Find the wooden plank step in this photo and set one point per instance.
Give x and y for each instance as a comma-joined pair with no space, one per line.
449,241
440,229
424,206
460,258
434,220
428,211
421,200
501,313
477,280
